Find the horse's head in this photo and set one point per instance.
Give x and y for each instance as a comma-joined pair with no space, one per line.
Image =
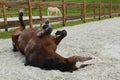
63,65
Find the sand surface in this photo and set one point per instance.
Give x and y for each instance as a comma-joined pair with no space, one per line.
100,40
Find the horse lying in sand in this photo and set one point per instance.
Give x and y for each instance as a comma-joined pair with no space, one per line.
39,48
53,11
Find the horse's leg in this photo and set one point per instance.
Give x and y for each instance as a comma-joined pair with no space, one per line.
81,59
48,12
15,36
59,36
43,32
60,14
15,42
84,65
56,13
51,12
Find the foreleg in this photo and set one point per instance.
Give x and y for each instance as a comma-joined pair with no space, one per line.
81,59
59,35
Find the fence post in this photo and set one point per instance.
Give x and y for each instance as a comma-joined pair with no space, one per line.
30,14
81,11
84,11
111,9
100,10
119,10
104,10
63,12
5,18
40,12
94,10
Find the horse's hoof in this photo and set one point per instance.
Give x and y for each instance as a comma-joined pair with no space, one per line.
58,33
47,22
26,64
64,33
45,26
14,50
48,31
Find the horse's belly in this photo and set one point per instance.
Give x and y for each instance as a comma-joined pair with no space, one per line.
24,39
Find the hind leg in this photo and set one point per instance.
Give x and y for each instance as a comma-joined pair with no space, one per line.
82,59
15,42
15,36
14,47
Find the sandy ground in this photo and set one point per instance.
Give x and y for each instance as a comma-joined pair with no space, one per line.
100,40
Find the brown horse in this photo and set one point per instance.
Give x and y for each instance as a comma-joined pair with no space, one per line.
39,48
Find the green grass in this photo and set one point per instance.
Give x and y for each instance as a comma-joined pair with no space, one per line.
5,35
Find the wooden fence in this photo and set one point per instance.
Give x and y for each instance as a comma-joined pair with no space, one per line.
99,10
